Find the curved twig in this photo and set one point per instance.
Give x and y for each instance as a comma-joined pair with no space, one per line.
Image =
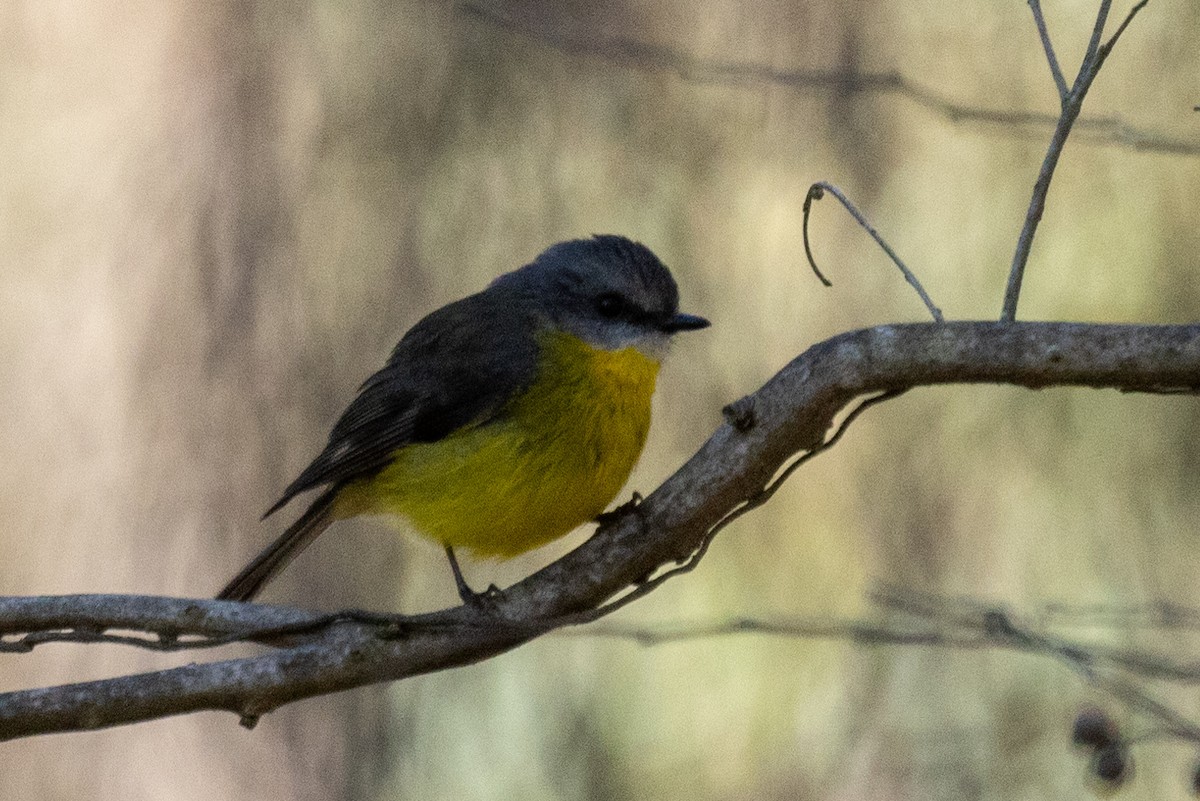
816,192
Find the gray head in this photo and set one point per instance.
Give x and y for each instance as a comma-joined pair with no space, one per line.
608,290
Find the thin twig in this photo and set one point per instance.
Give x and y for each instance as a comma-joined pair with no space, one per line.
28,642
1097,666
1160,615
939,623
1037,206
1040,20
1112,42
1089,56
561,35
856,631
163,638
816,192
1088,70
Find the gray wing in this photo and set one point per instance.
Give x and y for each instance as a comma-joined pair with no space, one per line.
457,366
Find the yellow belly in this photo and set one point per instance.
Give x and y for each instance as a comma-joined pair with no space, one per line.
556,459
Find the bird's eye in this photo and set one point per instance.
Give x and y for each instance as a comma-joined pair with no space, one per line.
610,305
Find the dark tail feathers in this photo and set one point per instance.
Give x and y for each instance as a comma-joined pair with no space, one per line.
254,576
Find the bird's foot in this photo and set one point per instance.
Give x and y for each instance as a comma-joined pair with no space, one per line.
485,602
632,505
481,601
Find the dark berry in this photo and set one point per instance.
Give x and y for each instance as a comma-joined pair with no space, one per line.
1093,728
1112,765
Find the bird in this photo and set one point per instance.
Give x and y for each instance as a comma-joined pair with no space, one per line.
503,420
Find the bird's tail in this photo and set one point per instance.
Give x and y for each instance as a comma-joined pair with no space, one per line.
254,576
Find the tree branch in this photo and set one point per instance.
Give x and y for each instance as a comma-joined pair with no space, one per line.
318,654
961,625
559,33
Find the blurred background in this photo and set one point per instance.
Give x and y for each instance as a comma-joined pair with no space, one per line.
217,218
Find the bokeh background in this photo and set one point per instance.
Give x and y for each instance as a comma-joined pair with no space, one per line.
216,219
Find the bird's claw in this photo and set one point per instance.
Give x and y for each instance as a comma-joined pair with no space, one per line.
631,505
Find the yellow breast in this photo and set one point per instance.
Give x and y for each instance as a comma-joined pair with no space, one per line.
555,459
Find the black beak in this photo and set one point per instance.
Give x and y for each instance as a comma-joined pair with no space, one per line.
683,322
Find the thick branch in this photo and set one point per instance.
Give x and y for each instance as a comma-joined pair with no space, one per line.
791,413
